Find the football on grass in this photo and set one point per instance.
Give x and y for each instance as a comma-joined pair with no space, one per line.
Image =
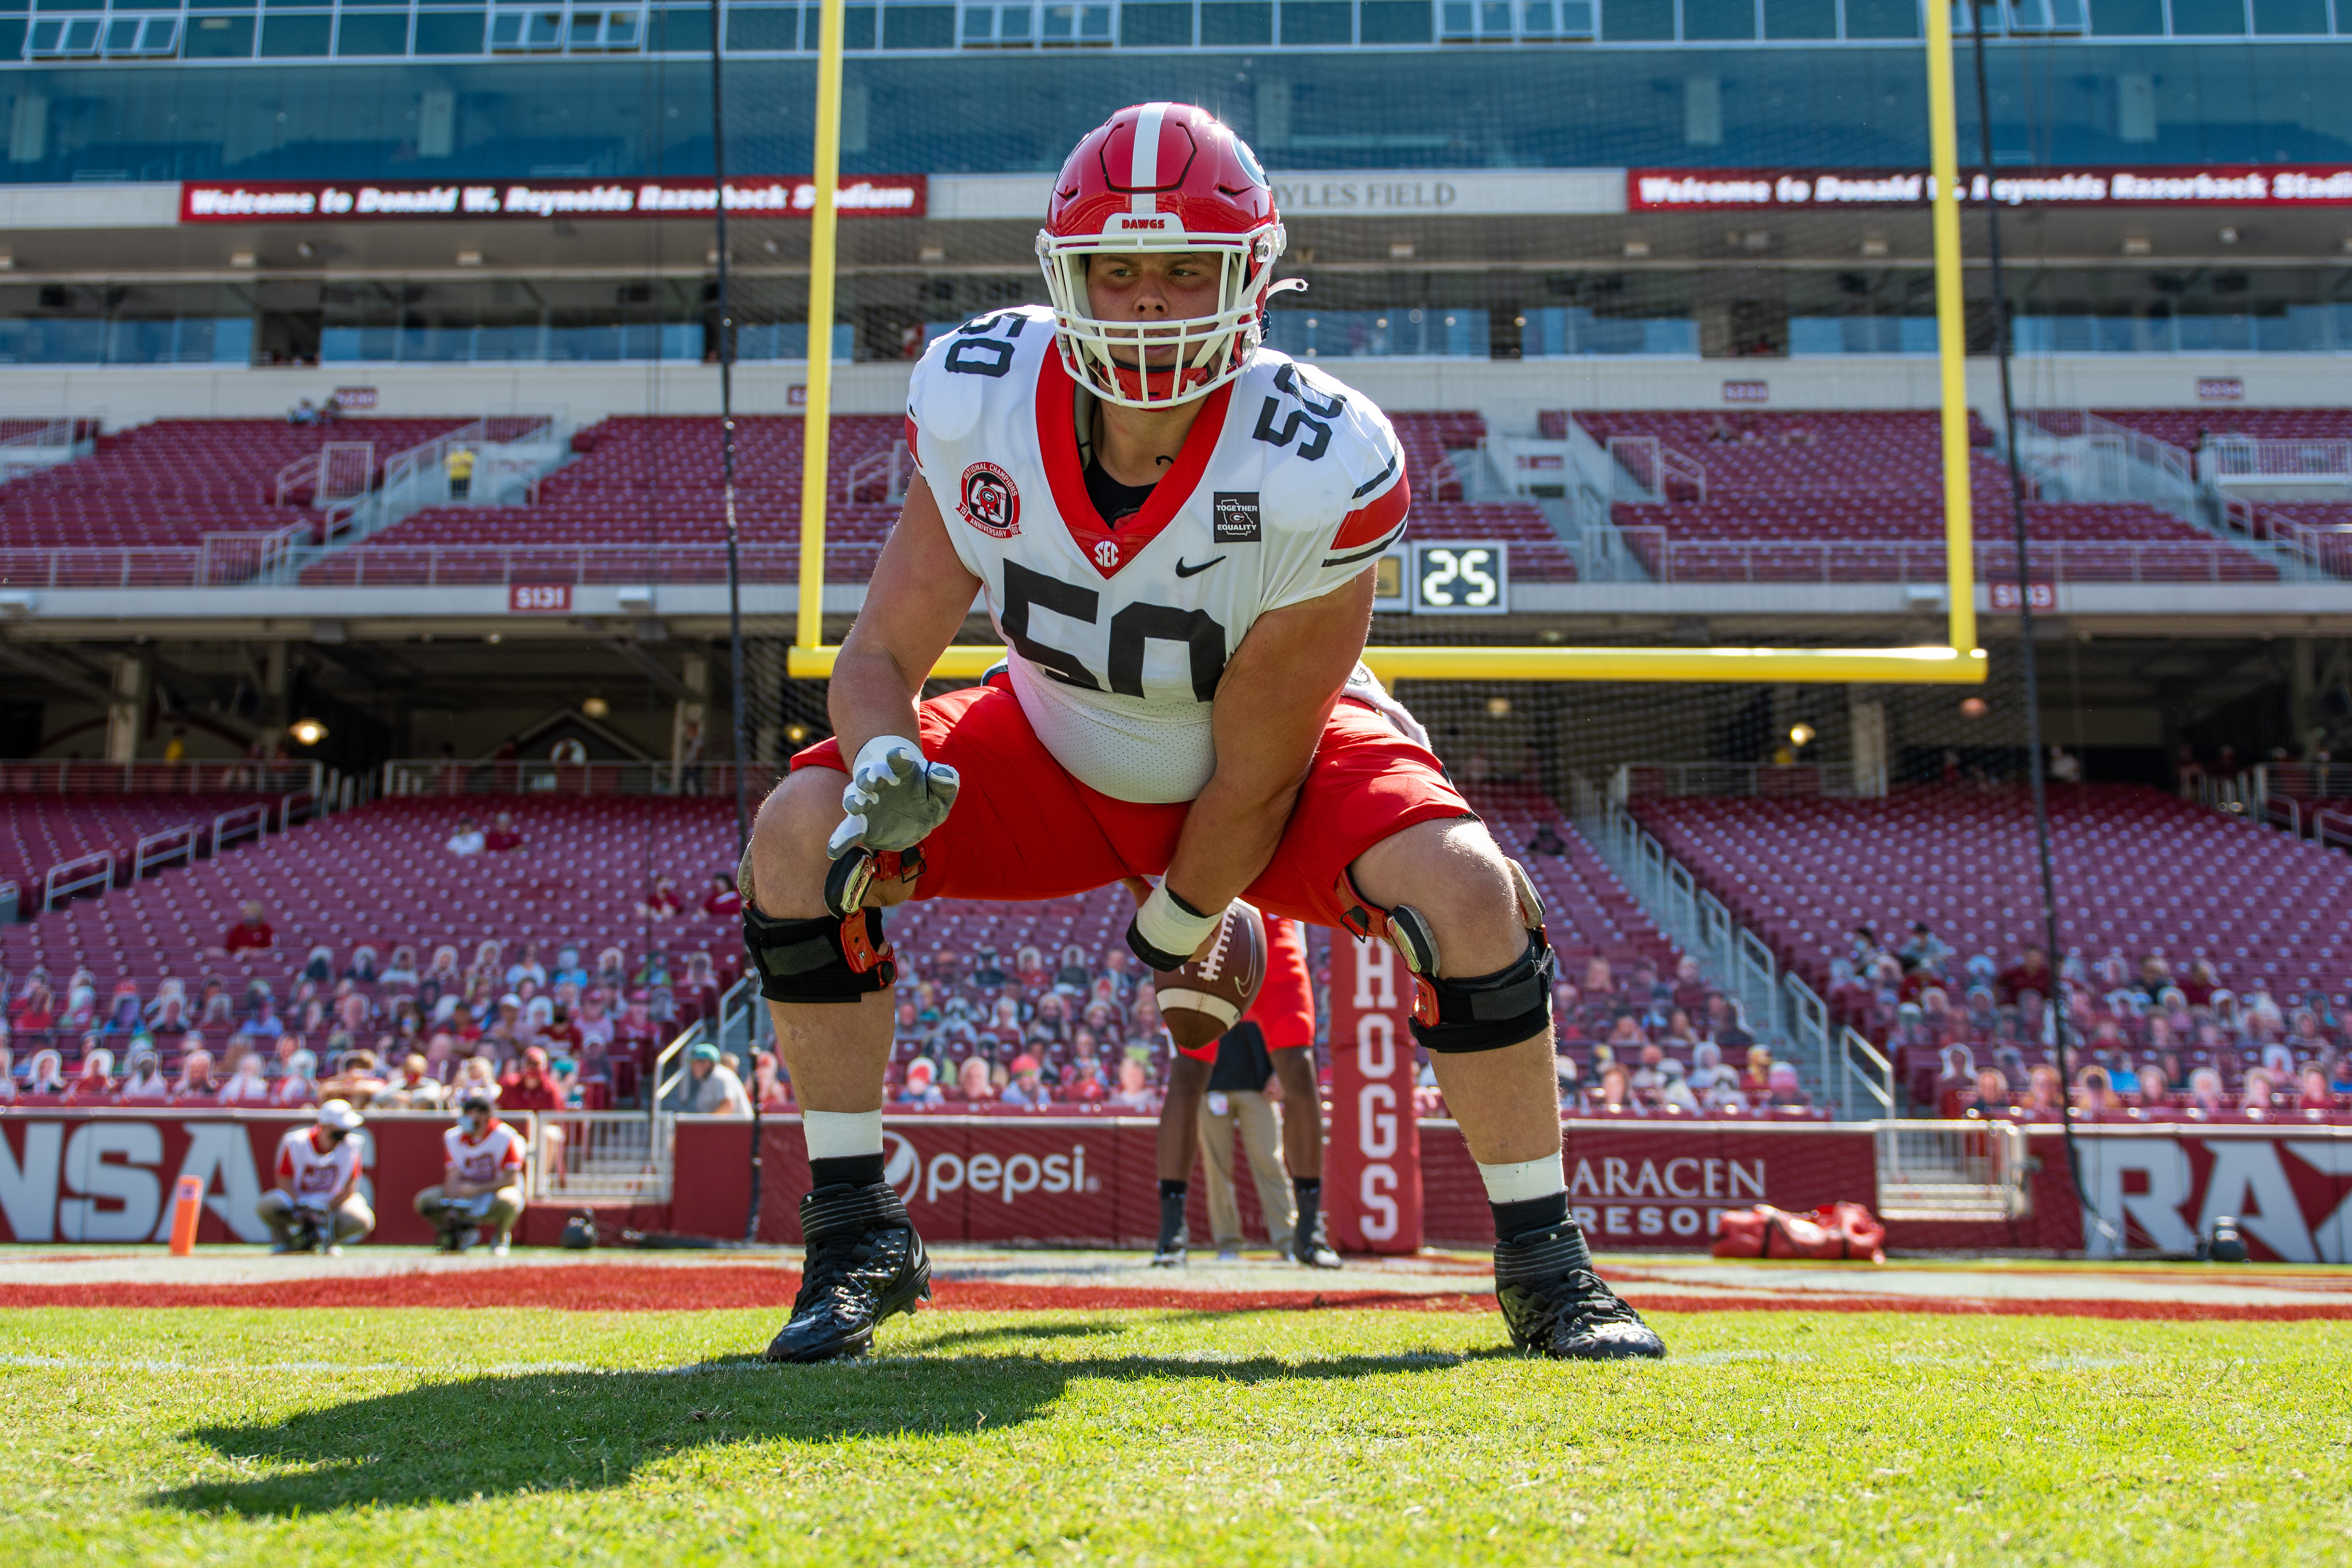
1207,995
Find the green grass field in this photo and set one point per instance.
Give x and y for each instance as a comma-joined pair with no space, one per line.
416,1437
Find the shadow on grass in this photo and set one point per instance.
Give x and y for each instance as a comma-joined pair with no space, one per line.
497,1436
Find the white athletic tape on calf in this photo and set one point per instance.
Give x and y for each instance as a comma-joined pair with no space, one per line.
1521,1179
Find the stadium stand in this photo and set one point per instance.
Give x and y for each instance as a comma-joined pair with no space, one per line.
2198,943
380,879
48,834
176,481
2188,427
1823,497
643,497
1440,511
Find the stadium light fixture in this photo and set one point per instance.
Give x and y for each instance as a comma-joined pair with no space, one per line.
1802,735
595,707
309,732
1957,661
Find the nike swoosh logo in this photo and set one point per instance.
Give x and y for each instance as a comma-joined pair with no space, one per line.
1184,571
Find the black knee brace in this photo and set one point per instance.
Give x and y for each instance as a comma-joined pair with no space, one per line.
821,959
1486,1012
1477,1012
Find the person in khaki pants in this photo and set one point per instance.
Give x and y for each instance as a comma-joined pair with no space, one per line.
1236,1100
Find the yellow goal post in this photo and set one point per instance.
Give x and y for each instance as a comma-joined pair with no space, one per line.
1957,661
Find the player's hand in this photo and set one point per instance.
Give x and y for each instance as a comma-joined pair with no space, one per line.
893,798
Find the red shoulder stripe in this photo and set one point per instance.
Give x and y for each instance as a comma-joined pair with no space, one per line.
1377,518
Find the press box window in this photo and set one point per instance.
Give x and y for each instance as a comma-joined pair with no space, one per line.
549,31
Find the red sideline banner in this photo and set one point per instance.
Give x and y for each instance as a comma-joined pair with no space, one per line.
1638,1184
1371,1184
2136,186
2161,1187
1071,1180
361,201
93,1175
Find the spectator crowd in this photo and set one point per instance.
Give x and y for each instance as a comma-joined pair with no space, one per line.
1978,1036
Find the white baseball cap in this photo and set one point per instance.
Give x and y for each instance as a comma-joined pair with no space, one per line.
338,1115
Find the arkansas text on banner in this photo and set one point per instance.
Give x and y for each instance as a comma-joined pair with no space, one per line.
1372,1181
364,201
2161,1187
2153,186
108,1175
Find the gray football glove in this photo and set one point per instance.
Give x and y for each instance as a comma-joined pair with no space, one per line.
893,798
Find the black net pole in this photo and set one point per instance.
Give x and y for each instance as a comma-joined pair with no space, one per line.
734,539
2057,1000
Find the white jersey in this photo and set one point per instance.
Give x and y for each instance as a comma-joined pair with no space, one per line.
495,1156
312,1175
1287,486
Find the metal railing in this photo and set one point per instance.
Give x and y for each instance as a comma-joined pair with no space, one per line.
537,776
1675,780
36,440
476,565
1665,557
878,478
510,452
222,560
41,776
2226,458
1951,1169
2077,455
579,1156
79,875
338,470
1646,470
659,1081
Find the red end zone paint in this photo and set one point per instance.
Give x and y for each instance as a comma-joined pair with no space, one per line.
636,1288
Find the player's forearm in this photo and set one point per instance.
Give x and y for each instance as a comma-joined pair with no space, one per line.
872,693
1229,837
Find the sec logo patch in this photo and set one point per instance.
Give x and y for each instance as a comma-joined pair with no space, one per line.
989,500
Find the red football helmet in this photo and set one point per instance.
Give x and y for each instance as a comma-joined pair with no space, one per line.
1160,177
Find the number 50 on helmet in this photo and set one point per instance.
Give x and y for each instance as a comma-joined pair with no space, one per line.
1160,177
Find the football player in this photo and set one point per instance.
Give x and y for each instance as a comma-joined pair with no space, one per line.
1284,1015
1175,530
315,1202
481,1178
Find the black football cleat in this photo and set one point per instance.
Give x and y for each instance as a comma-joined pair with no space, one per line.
1310,1248
1554,1304
1171,1251
865,1263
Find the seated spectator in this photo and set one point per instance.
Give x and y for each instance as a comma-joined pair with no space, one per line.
1615,1094
1027,1089
250,1086
1570,1078
1135,1092
145,1082
1757,1081
1782,1088
2260,1091
2205,1093
1546,841
526,967
475,1073
2095,1093
504,837
2315,1095
358,1078
251,934
94,1085
661,904
723,901
467,840
2030,973
1675,1090
974,1086
298,1085
1990,1097
45,1075
921,1089
34,1011
769,1085
2339,1082
711,1088
411,1086
531,1087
